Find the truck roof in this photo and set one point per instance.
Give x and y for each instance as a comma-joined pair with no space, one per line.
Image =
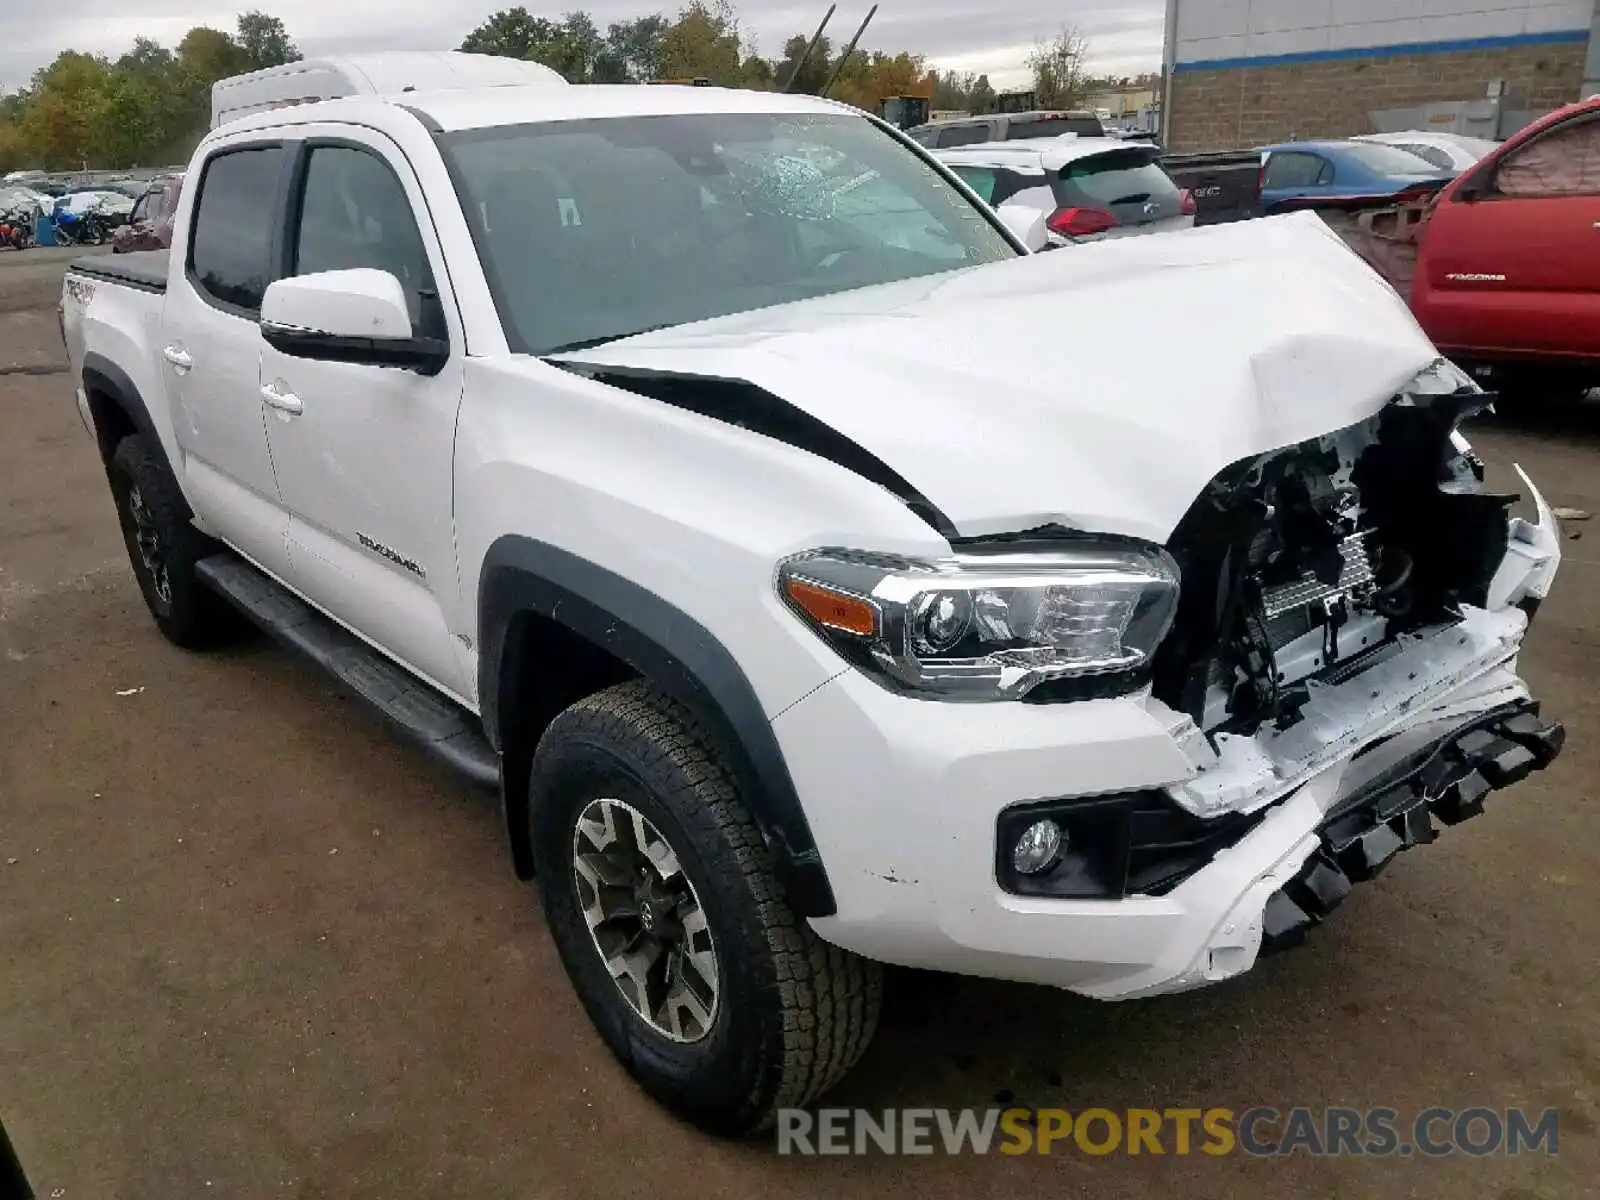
487,107
308,81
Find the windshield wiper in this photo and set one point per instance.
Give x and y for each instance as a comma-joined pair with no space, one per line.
591,343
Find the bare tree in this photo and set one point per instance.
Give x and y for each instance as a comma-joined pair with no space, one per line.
1059,77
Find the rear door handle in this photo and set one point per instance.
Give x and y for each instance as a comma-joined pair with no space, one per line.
283,401
178,357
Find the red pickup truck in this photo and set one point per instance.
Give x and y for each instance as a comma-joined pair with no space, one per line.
1502,267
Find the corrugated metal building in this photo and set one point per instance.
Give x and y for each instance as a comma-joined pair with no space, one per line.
1249,72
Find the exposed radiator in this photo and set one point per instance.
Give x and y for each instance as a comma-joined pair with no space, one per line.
1355,576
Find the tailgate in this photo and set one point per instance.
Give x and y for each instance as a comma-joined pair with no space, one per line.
1225,186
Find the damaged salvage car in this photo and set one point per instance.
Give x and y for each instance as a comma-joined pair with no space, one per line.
646,454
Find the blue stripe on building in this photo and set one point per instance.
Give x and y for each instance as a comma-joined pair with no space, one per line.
1559,37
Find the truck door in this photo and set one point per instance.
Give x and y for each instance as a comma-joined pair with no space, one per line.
365,454
211,343
1512,264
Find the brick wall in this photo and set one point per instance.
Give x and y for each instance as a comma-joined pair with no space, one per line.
1252,106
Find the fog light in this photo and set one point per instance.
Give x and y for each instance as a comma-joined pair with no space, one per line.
1038,849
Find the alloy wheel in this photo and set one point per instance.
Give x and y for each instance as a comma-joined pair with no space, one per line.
147,537
645,919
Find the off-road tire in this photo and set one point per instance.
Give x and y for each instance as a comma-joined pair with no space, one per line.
188,613
794,1013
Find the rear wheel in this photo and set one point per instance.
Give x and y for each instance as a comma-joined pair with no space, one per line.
663,902
163,548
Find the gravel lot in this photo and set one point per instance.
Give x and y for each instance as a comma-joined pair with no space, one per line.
253,947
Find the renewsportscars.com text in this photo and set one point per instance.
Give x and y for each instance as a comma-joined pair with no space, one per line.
1259,1132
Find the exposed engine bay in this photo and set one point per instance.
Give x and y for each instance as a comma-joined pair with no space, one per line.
1304,566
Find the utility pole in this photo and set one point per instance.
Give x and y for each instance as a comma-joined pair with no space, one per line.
812,45
851,49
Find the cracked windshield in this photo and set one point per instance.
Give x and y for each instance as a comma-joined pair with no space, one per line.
594,230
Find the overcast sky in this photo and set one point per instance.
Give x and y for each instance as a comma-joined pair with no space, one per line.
991,36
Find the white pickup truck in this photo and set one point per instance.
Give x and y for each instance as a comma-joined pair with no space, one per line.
713,475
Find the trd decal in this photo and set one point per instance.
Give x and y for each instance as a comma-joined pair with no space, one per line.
393,556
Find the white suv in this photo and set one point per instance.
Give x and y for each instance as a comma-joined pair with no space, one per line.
1085,189
645,453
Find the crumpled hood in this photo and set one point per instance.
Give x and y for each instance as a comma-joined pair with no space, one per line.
1099,387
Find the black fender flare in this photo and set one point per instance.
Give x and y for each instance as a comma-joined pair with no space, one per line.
103,377
673,651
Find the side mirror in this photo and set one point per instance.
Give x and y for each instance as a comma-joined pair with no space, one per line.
357,316
1474,187
1027,225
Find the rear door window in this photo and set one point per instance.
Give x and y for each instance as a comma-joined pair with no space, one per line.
1049,127
1128,183
1293,169
236,213
963,135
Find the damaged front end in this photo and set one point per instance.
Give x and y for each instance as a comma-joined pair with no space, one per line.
1338,590
1446,782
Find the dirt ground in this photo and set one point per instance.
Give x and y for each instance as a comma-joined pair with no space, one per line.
253,947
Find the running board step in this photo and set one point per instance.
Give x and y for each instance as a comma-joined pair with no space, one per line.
440,726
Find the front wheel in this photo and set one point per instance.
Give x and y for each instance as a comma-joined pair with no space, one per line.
669,918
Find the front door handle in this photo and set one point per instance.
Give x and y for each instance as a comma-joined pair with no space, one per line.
282,400
178,357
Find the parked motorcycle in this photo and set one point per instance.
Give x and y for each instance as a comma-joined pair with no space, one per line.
16,230
19,210
80,229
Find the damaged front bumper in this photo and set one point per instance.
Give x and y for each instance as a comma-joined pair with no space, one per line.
1448,782
1339,828
915,800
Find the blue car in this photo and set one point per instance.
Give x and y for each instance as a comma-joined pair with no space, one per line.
1313,172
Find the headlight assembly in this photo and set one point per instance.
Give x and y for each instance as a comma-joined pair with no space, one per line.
991,625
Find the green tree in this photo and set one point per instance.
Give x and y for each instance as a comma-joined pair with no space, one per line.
982,98
577,47
633,50
141,106
572,46
264,41
13,153
703,43
813,75
62,122
757,74
209,54
512,33
1059,78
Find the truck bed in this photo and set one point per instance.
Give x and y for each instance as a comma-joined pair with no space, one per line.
1387,238
142,269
